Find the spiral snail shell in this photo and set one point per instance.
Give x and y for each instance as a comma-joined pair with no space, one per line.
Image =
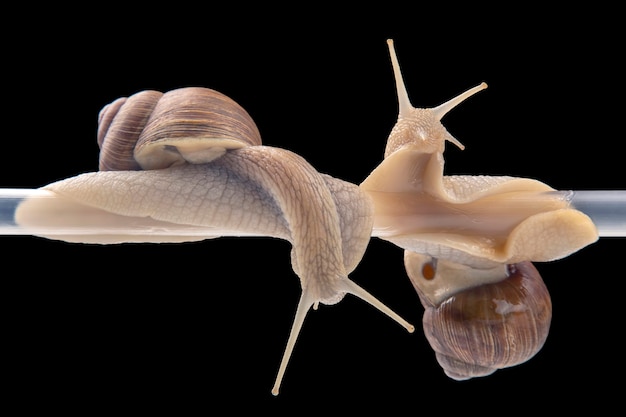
480,325
152,130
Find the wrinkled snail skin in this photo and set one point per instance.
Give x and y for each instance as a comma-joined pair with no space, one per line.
482,324
469,242
198,162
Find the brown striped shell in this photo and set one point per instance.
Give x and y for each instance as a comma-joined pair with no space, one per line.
153,130
482,328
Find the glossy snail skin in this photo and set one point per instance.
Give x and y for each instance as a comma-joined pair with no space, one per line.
468,242
472,220
197,160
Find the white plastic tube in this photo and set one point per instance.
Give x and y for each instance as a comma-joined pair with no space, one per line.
606,208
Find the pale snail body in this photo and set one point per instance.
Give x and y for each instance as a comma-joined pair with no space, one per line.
480,220
193,156
468,242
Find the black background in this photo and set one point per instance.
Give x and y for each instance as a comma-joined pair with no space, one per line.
203,325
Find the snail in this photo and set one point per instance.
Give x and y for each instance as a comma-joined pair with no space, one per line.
194,156
469,242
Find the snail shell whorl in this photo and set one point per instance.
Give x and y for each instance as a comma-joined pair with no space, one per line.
491,326
152,130
120,124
